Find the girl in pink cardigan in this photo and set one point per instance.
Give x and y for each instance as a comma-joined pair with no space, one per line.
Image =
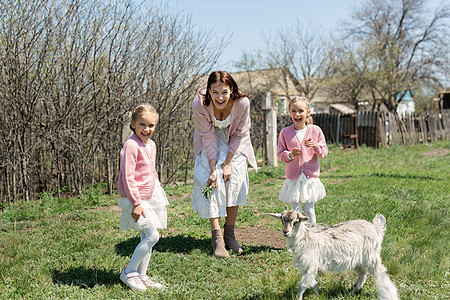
299,146
143,201
223,150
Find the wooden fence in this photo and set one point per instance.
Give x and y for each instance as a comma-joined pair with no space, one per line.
376,129
414,128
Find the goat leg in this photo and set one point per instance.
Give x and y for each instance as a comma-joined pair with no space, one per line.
308,280
301,291
316,290
362,275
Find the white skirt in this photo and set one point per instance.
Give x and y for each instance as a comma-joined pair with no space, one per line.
302,190
154,209
232,193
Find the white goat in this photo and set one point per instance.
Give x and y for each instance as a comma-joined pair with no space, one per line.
353,245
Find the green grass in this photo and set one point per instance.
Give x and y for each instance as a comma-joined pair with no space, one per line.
72,247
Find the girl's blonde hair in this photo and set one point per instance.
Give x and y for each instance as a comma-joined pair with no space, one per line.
309,119
142,109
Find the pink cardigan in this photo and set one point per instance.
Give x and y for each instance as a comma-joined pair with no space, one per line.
137,176
309,164
238,134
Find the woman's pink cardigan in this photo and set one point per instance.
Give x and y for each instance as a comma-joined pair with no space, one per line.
238,133
308,162
137,176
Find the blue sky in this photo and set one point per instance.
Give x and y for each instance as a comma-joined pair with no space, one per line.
250,20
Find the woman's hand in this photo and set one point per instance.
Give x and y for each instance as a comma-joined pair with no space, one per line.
137,212
212,179
311,143
226,172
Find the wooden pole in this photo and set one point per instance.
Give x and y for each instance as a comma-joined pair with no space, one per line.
270,111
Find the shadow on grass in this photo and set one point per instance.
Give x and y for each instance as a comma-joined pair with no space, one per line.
182,244
291,293
337,291
85,277
174,244
258,249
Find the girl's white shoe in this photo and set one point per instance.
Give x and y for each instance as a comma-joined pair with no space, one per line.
133,281
150,283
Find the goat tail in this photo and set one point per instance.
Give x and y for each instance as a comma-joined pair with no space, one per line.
386,289
380,222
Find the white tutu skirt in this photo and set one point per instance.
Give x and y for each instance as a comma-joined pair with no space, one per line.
232,193
154,209
302,190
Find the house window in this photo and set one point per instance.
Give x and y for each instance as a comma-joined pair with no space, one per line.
282,104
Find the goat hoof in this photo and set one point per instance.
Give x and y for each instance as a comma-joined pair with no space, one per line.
355,291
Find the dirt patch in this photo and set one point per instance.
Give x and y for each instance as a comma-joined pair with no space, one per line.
179,197
250,235
257,235
437,152
115,208
333,169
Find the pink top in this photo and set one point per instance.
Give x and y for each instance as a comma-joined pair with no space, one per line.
238,134
137,176
308,162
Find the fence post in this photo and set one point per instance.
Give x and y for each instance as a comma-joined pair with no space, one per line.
383,131
126,130
270,111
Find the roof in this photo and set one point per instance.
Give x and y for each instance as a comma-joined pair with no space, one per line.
274,81
341,108
444,91
267,79
405,96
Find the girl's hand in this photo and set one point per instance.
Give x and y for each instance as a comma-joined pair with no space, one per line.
212,179
295,152
311,143
137,212
226,172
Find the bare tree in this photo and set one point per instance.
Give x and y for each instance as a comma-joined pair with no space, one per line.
171,69
70,71
302,55
407,47
260,82
348,75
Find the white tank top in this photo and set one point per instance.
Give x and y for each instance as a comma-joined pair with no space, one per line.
222,124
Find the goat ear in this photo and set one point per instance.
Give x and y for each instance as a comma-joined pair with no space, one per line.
285,207
277,215
301,218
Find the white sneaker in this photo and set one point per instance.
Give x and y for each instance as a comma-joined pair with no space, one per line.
150,283
133,280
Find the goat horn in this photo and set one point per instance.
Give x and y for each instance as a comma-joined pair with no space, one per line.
277,215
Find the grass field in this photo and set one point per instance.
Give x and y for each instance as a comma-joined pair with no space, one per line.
72,248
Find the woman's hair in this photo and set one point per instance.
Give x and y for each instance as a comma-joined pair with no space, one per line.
223,77
309,119
142,109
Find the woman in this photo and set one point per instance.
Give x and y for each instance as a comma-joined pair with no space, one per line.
222,149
